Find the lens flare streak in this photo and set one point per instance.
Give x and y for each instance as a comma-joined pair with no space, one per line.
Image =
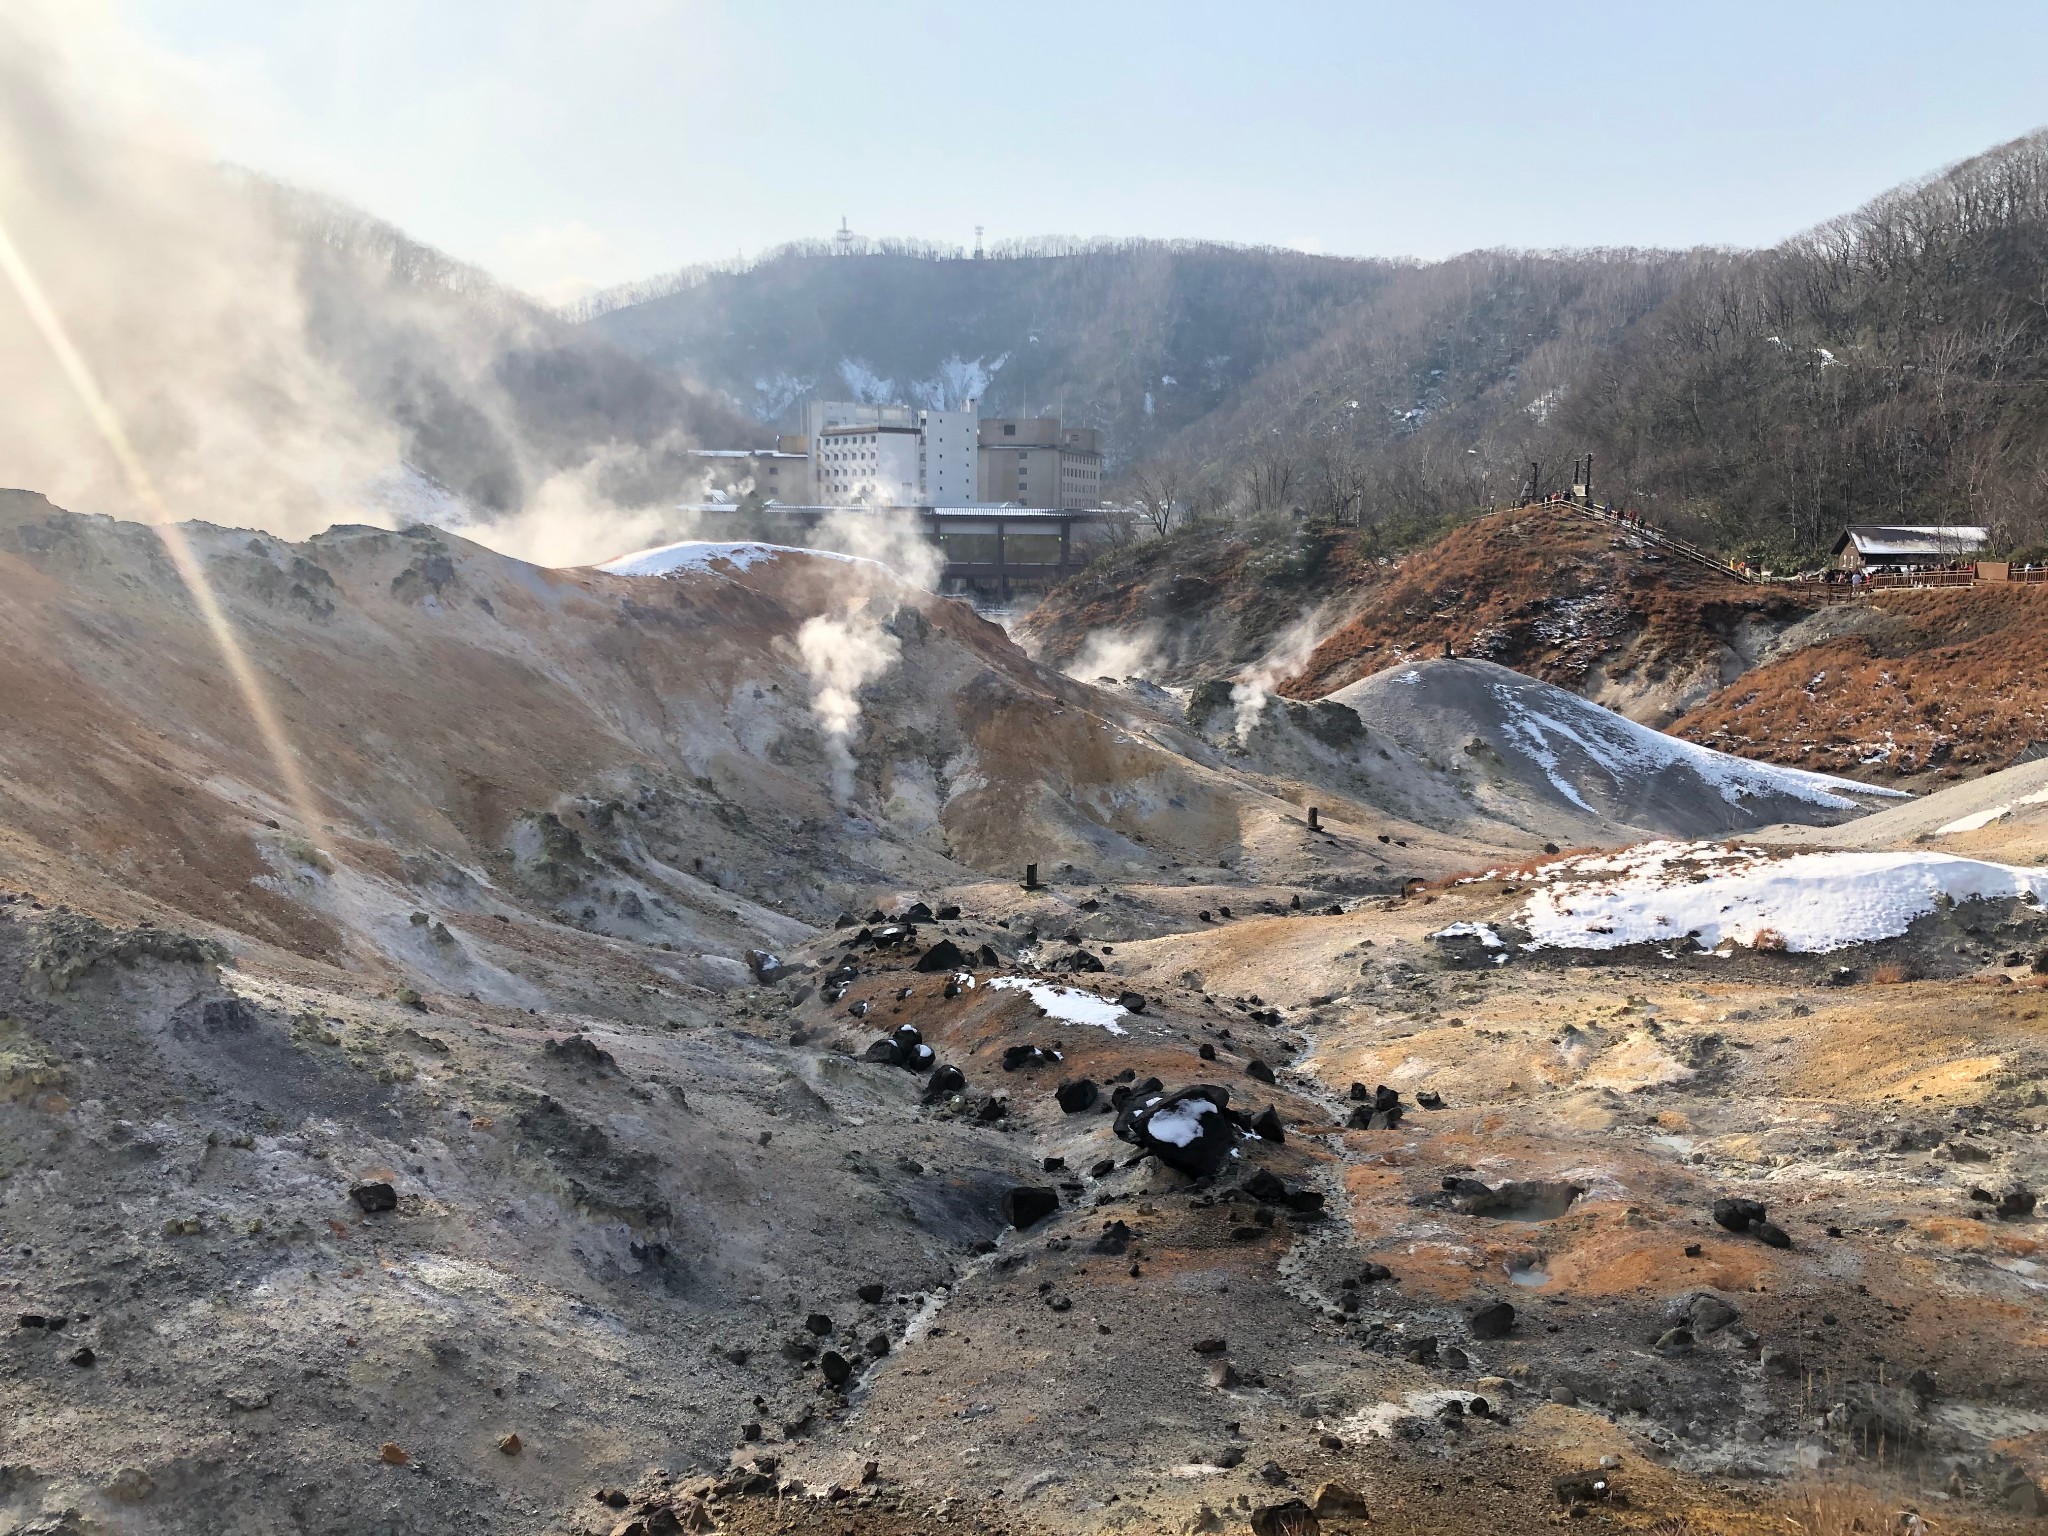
184,559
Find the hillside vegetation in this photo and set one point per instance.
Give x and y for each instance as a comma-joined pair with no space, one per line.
1892,363
1899,686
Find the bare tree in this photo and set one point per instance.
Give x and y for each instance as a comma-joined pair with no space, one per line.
1269,474
1158,491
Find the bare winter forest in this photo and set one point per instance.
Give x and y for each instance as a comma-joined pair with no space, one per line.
1890,363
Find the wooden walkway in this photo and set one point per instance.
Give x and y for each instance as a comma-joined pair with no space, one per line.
1982,573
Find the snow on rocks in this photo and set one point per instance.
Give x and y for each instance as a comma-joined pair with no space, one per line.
1483,932
711,555
1070,1005
1810,903
1190,1130
1180,1122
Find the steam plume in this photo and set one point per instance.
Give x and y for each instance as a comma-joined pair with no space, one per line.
281,361
842,655
1289,652
1117,653
844,652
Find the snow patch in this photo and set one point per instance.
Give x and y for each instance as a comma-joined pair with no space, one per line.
1978,819
1070,1005
864,384
1810,903
705,555
957,381
1382,1420
1483,932
1181,1123
1625,750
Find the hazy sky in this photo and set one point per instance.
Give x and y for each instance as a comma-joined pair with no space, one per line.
570,142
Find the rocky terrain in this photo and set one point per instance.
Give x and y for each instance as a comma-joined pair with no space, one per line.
1905,687
738,1045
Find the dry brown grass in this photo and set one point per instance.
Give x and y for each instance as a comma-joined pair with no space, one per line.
1769,941
1895,973
1851,1509
1960,685
1503,576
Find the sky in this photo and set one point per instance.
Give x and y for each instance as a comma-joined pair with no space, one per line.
568,144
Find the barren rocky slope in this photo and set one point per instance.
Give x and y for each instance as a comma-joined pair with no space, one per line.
618,1110
1901,686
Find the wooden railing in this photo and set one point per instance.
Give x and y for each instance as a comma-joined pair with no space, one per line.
1669,542
1983,573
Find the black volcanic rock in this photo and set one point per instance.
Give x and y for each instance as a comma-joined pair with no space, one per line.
1026,1205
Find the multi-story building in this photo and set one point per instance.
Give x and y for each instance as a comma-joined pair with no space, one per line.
868,464
781,474
1039,461
820,414
890,455
949,456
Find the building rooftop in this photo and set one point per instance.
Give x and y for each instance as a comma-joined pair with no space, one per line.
1912,541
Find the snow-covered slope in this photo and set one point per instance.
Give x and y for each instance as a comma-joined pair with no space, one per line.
1524,745
707,555
1809,903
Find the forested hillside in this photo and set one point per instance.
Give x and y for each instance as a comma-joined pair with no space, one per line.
490,393
1892,363
1143,339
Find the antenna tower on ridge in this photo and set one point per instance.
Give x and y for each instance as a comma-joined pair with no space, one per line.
977,242
843,238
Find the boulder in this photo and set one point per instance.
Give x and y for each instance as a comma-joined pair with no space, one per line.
1736,1214
580,1051
1577,1488
1674,1342
374,1196
1492,1321
1265,1187
1025,1205
1188,1130
1078,1095
943,956
1709,1313
1339,1501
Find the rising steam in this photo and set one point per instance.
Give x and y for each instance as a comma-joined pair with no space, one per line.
846,651
1117,653
278,360
842,655
1289,652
